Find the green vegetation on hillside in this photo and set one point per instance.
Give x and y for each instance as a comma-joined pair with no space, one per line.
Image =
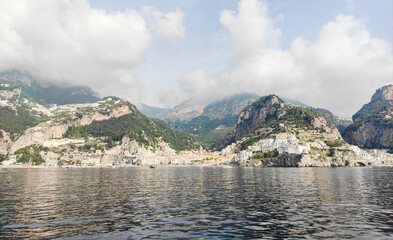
270,154
270,116
137,127
217,139
373,112
209,133
249,142
31,154
201,125
263,100
334,143
215,127
375,116
2,157
16,122
296,116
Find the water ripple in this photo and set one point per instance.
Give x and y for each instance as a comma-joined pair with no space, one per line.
197,203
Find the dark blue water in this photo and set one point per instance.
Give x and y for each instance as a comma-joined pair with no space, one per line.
199,203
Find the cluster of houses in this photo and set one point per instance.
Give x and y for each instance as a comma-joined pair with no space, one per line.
282,142
182,158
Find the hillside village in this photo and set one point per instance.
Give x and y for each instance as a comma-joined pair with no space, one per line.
282,144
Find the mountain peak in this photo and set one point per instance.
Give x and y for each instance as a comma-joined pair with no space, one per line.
270,112
383,94
269,101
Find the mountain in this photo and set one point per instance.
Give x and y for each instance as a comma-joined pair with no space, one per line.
271,133
134,125
373,123
214,127
154,112
340,123
183,113
105,132
332,120
45,93
271,112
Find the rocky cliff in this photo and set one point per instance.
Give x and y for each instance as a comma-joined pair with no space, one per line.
373,123
270,133
68,115
383,94
270,112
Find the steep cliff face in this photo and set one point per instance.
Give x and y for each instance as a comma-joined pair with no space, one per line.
68,115
373,123
270,112
332,120
383,94
39,134
371,134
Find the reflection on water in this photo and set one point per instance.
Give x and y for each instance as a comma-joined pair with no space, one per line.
191,202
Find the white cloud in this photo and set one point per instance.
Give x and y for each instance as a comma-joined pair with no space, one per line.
169,26
170,96
251,29
68,41
339,71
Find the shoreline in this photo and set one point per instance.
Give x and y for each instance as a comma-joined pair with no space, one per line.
169,166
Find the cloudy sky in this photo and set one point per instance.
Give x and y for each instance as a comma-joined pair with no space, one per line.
328,53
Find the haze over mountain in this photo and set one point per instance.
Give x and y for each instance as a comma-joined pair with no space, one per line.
46,93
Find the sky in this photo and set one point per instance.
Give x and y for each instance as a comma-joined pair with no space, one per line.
330,54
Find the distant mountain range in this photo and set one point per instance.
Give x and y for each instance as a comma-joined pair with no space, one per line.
154,112
214,125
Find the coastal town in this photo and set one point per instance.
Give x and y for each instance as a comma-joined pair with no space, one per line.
67,152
